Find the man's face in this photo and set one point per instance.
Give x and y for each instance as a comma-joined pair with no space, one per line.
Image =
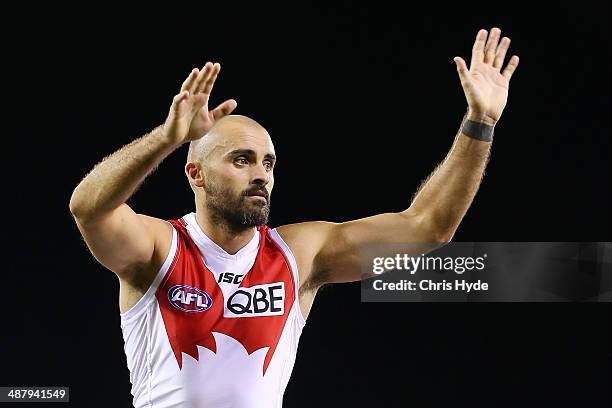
239,178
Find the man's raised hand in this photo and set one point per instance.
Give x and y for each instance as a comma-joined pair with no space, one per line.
189,117
485,85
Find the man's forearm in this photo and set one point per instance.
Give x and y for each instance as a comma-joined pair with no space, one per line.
118,176
446,195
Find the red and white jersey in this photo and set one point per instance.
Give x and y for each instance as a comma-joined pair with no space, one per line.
215,330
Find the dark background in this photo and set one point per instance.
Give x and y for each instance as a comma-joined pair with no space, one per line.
361,102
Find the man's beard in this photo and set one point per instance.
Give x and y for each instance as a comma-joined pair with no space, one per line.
235,212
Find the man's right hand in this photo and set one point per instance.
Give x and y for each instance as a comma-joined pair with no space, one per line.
189,118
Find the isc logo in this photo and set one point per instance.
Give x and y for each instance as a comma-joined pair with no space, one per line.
229,277
189,299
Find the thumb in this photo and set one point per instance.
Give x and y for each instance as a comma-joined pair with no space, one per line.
462,70
224,109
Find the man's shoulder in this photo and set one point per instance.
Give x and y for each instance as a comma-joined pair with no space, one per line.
162,231
306,237
304,228
156,225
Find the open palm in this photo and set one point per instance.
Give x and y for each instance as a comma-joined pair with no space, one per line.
484,84
189,118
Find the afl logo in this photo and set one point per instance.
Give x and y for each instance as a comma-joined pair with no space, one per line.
189,299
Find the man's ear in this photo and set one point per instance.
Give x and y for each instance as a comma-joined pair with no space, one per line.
195,174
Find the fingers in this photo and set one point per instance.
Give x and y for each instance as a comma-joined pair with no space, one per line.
500,55
491,46
180,97
190,81
511,67
206,77
493,51
199,81
479,46
208,80
462,70
224,109
204,73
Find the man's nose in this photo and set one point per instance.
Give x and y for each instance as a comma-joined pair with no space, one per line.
260,175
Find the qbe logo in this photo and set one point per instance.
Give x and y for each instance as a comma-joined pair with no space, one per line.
189,299
259,300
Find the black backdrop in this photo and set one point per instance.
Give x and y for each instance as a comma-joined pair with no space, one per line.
362,102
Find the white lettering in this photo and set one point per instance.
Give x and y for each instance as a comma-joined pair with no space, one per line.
177,295
468,287
200,302
189,298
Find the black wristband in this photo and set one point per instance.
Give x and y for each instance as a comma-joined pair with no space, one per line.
477,130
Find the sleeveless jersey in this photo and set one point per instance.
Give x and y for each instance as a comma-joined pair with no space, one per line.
214,329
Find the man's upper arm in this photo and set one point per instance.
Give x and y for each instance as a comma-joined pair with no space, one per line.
125,242
331,252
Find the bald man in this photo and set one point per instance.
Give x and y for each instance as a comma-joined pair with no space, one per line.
213,304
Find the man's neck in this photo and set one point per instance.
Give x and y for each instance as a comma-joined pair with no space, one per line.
231,242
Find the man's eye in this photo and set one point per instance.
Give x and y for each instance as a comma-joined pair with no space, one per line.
268,164
242,160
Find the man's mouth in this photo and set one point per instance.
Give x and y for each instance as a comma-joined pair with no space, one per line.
258,193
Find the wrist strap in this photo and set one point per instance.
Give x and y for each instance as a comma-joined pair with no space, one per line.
477,130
